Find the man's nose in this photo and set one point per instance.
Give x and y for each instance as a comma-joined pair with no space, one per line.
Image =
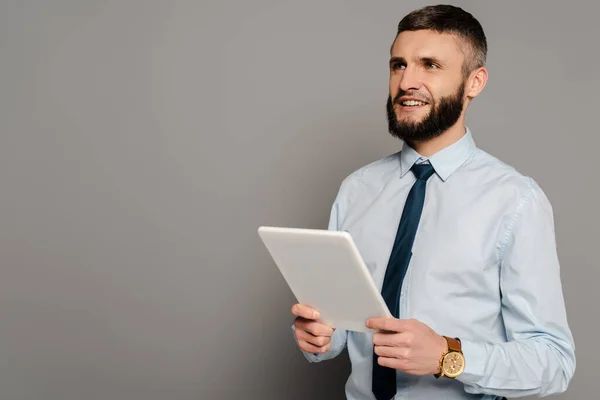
411,80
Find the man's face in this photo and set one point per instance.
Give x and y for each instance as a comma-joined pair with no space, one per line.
426,85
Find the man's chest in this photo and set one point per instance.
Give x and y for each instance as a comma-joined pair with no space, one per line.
455,250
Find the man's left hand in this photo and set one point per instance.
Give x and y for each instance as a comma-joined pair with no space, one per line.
407,345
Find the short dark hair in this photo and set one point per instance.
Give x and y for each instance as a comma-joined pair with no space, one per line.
450,19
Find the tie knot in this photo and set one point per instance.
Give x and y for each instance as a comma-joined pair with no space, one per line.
422,171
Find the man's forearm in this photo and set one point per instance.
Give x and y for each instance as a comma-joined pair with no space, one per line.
539,366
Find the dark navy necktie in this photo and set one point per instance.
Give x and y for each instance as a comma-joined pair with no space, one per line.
384,379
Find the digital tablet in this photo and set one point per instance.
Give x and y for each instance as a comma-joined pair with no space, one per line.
325,271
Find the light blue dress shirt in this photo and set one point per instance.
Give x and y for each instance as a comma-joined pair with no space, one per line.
484,269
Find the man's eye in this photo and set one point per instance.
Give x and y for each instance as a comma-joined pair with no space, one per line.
396,66
432,66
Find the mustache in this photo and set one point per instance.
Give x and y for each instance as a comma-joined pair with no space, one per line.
416,95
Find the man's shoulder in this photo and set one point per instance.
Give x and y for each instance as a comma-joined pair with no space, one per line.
374,172
497,173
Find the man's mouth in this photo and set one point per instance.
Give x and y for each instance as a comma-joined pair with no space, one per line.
412,103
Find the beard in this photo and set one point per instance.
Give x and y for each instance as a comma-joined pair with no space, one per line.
443,115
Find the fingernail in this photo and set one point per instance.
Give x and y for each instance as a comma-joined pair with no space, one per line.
315,314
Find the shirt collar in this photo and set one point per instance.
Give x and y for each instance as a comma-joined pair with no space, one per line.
445,161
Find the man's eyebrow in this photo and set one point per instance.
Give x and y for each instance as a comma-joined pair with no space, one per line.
423,60
397,60
431,60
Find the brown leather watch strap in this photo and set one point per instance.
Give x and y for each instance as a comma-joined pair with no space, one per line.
453,344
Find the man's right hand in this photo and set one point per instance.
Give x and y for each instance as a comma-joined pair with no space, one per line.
313,337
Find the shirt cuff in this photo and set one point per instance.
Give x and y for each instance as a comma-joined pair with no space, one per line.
476,355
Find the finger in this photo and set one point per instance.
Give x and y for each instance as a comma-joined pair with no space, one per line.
318,341
394,363
393,339
300,310
313,327
387,324
311,348
392,352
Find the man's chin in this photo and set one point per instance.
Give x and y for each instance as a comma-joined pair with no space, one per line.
413,118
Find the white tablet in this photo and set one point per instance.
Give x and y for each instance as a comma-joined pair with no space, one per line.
325,271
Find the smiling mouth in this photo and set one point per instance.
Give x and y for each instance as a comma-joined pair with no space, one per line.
412,103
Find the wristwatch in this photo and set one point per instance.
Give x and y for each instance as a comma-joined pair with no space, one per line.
452,362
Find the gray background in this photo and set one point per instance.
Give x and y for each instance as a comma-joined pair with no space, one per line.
143,142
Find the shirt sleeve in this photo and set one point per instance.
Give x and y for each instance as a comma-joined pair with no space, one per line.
339,336
539,355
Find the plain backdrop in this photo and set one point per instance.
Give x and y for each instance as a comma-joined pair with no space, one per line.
142,143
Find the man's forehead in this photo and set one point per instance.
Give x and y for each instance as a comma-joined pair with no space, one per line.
427,43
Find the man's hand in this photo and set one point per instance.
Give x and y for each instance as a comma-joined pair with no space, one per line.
407,345
313,337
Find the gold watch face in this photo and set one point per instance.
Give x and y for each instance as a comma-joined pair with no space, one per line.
453,364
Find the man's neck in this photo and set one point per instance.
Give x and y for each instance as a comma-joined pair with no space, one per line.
430,147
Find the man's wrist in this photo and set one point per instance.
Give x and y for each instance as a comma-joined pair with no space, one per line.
443,352
452,362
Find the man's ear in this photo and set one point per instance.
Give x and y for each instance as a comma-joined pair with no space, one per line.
476,82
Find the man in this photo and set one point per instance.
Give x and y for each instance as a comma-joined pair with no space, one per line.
461,245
